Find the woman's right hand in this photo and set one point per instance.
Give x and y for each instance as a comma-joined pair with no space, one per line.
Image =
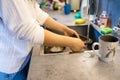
77,45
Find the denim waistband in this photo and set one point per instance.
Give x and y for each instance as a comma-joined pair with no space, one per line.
4,76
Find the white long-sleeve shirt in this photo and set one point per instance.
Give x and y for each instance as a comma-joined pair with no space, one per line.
19,29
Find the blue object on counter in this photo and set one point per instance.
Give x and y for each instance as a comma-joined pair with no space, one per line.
97,34
77,15
67,8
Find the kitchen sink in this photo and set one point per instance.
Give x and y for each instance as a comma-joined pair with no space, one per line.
82,31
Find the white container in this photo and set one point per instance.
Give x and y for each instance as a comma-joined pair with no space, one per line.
84,9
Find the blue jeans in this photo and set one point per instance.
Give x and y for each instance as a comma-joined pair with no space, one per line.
20,75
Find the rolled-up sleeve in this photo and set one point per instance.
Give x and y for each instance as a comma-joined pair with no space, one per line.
41,15
17,18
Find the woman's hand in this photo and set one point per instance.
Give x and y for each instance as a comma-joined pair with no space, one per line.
77,45
71,33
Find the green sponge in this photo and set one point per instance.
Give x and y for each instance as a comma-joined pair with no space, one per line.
106,30
77,15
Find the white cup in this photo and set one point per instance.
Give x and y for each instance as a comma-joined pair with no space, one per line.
107,46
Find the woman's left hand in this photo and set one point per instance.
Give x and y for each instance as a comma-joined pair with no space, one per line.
71,33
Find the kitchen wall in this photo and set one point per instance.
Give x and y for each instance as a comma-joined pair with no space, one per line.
112,7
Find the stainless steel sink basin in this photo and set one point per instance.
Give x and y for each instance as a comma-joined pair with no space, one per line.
82,30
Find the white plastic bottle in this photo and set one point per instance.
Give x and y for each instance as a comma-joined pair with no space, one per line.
84,9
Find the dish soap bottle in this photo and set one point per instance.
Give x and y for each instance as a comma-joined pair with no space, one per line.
104,19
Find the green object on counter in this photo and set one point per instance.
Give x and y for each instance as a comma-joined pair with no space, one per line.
43,3
77,15
106,30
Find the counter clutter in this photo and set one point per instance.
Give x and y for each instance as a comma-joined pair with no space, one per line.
79,66
59,16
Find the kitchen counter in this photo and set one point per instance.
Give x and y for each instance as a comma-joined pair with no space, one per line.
78,66
59,16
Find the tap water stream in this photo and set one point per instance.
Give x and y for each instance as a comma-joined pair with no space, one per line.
88,30
89,41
